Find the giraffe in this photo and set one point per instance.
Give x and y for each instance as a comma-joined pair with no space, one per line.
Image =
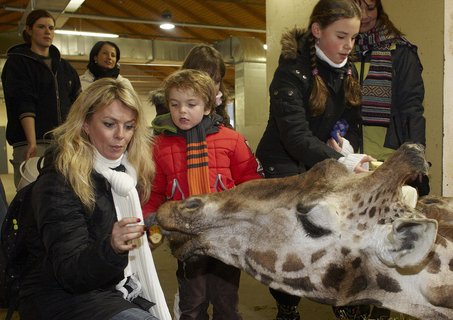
327,235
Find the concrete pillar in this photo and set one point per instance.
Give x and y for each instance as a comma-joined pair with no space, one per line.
250,100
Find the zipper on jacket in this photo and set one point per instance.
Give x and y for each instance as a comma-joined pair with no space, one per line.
218,181
173,190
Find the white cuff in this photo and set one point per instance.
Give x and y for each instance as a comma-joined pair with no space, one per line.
346,148
352,160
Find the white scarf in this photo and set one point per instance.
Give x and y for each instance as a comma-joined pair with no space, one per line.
321,55
127,204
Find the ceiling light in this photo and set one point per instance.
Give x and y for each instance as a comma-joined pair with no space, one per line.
166,23
73,5
265,46
167,26
87,34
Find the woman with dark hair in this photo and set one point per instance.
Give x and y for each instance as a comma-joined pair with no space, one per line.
39,88
390,75
104,63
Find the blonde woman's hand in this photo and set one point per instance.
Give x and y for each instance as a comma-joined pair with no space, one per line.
124,232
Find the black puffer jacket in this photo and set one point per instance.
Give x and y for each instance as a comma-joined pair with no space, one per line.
76,268
32,89
294,140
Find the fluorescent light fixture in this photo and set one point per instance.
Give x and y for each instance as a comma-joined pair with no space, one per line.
73,5
167,26
87,34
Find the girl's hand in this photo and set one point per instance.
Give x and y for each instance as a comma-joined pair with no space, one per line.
337,146
124,232
364,164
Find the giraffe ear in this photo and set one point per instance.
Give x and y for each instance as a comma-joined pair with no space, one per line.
409,242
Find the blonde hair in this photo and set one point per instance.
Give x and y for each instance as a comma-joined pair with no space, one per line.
325,13
75,153
199,81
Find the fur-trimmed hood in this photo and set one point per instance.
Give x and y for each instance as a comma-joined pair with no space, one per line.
290,42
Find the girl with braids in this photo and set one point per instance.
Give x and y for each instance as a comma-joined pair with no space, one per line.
313,88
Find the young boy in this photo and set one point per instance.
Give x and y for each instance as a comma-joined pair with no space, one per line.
196,154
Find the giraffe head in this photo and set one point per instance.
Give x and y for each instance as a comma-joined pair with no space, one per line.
334,237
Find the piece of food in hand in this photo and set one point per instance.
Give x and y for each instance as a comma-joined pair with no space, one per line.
155,235
375,164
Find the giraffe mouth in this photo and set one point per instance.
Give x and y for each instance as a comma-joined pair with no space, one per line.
183,245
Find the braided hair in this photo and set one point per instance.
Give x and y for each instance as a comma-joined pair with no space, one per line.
325,13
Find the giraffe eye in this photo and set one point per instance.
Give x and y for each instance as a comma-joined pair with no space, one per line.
311,229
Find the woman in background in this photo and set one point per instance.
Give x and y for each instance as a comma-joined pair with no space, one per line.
390,75
104,63
39,88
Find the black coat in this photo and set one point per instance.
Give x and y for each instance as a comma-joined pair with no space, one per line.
294,140
33,89
76,269
407,123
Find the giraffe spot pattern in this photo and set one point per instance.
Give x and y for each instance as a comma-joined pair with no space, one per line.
265,259
387,284
292,263
345,251
356,263
333,277
372,212
441,296
434,263
362,226
300,283
358,285
317,255
266,280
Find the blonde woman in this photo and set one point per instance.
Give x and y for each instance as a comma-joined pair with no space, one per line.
92,259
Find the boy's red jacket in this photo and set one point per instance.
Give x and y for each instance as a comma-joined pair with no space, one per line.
231,162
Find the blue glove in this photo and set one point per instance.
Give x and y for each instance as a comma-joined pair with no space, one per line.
341,127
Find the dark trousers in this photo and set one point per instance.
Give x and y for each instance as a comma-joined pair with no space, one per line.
208,280
284,298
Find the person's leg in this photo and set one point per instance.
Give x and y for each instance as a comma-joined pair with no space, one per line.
360,312
379,313
133,314
287,305
193,303
223,286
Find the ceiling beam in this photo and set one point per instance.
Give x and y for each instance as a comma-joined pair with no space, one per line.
144,21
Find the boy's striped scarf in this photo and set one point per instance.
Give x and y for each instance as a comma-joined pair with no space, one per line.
377,87
197,159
